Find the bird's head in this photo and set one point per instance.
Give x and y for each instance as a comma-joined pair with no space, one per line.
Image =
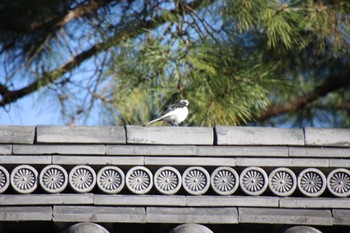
184,102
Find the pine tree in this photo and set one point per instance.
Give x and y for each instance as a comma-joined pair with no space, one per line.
238,62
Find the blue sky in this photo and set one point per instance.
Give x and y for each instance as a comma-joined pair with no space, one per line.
30,111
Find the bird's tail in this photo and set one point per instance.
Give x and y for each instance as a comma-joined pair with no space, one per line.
153,121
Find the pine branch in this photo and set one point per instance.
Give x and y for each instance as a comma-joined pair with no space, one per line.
333,84
47,78
10,96
80,11
57,21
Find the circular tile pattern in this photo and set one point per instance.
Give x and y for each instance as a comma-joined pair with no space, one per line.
82,178
4,179
253,181
24,179
311,182
338,182
196,180
53,179
224,180
139,180
282,182
167,180
110,179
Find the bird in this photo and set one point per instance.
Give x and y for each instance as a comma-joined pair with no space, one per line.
174,114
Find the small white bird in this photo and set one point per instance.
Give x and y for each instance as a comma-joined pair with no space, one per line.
174,114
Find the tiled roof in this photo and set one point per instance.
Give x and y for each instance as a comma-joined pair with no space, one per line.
219,135
254,158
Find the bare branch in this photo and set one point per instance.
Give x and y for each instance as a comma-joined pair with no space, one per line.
47,78
80,11
333,84
58,21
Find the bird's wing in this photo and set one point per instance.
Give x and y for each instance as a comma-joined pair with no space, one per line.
172,107
169,108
